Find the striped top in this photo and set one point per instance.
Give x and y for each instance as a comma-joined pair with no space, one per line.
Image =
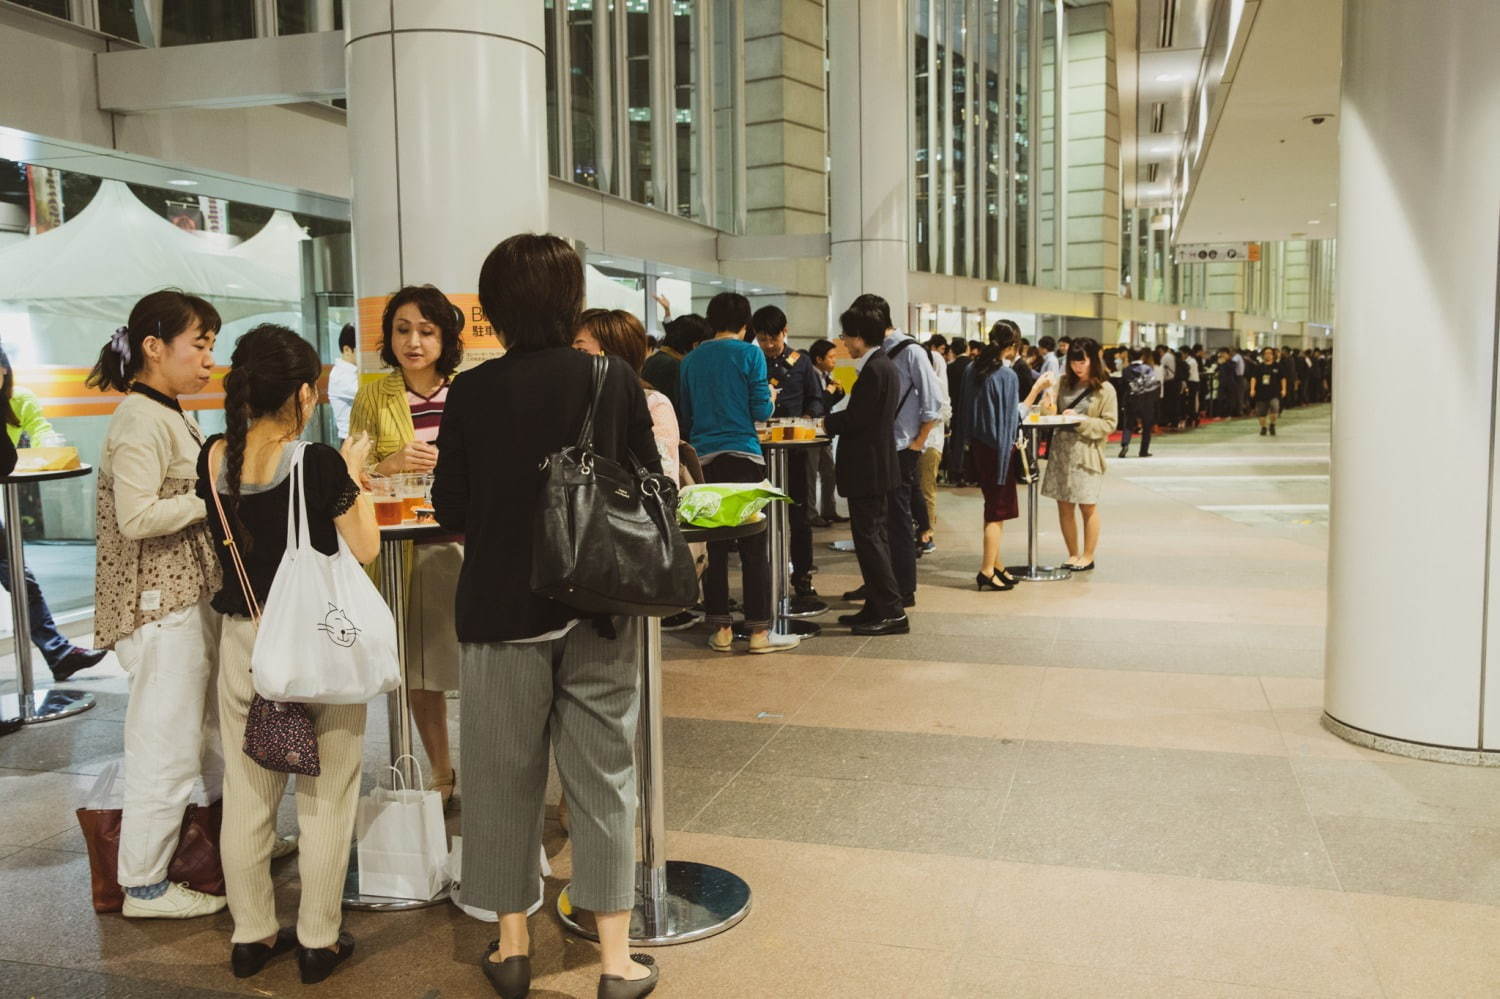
427,412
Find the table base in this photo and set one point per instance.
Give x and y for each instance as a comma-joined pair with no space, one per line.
379,903
1039,573
700,901
47,704
805,607
802,629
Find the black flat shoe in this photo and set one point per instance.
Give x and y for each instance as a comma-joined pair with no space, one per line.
247,959
853,595
510,978
890,626
317,963
615,987
1082,568
993,583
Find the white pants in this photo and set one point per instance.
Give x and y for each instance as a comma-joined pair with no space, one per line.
171,735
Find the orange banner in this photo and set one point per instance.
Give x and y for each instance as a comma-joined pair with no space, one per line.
63,393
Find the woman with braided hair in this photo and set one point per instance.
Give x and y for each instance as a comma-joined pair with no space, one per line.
269,395
154,576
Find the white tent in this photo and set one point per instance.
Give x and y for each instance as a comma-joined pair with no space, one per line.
116,250
277,247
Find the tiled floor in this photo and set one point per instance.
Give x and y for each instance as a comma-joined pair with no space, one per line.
1114,786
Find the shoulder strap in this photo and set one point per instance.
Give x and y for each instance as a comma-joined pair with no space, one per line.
586,435
234,549
895,351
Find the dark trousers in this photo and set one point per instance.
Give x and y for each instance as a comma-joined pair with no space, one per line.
755,562
903,542
799,528
869,520
827,482
44,633
1143,408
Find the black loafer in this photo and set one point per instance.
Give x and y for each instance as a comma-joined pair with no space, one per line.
615,987
510,978
317,963
854,595
247,959
889,626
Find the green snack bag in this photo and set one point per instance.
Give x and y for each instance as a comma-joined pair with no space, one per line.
726,504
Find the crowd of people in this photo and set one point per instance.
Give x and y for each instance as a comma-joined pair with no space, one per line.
191,531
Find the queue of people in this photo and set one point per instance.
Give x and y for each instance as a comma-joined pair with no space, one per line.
191,531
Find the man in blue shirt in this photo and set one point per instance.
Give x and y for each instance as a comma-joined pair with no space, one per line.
722,391
917,415
799,392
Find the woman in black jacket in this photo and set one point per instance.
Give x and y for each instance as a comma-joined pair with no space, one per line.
532,666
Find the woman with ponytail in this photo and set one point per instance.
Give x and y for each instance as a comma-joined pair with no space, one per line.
270,393
155,574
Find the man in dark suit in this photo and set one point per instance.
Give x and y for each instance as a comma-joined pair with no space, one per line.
868,472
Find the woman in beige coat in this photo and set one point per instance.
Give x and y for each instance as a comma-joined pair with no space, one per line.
1075,460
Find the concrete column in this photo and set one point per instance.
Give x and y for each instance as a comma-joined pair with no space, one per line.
869,91
448,139
1413,595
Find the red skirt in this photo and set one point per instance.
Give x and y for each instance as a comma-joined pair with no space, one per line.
1000,502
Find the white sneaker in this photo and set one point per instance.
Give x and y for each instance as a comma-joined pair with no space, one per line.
774,643
285,846
177,902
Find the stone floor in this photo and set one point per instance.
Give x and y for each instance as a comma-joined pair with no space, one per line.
1114,786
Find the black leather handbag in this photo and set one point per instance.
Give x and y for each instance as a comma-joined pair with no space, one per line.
605,539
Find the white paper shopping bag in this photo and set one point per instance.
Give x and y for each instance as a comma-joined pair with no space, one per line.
403,847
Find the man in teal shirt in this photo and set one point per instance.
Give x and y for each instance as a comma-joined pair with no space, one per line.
722,392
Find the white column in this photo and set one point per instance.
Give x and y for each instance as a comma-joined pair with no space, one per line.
869,89
448,138
1413,594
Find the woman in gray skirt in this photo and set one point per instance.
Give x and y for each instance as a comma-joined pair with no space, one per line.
1075,459
533,668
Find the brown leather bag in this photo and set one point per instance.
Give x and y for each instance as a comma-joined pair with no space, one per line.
196,860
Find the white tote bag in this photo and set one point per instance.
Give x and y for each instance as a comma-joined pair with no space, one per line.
326,636
403,846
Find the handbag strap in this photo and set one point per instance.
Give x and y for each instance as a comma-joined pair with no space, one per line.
596,391
234,550
296,503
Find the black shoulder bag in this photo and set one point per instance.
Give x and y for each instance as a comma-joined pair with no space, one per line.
605,539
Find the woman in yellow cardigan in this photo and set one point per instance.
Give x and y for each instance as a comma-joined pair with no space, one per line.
402,412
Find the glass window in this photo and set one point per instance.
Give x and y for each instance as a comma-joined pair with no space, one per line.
922,152
117,17
994,172
296,17
638,101
188,22
57,8
687,108
958,109
589,51
554,133
1021,114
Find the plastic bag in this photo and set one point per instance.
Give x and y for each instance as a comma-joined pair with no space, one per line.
726,504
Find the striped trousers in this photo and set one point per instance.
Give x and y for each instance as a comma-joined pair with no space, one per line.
582,693
325,807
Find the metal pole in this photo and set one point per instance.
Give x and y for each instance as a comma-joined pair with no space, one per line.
651,878
777,540
393,588
1031,490
19,608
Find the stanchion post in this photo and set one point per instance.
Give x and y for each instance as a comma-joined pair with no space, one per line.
652,875
20,616
393,588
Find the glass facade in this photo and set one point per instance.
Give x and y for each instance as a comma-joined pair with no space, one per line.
641,101
978,120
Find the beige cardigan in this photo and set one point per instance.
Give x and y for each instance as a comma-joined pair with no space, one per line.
1100,416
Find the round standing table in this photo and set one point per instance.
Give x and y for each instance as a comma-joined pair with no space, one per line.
31,704
393,585
677,901
1031,572
786,607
